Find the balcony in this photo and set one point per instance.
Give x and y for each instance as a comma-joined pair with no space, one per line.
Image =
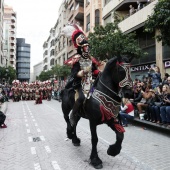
13,19
70,15
79,13
13,26
137,19
12,54
12,59
12,42
70,48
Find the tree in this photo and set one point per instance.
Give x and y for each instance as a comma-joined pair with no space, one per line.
59,71
9,74
109,41
160,19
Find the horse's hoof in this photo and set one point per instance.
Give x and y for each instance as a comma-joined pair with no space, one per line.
96,163
76,142
98,166
114,150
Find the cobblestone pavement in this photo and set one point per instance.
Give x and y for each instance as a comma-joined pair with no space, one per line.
36,140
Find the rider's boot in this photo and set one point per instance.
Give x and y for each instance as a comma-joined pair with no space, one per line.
73,114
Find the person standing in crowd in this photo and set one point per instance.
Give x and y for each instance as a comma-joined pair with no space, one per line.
126,112
2,120
168,81
131,10
165,79
156,76
165,107
155,110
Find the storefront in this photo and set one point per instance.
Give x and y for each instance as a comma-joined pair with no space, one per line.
167,67
141,71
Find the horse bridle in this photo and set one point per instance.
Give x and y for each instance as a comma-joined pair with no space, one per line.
125,82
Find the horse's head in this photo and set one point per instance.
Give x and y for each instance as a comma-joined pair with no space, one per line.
117,77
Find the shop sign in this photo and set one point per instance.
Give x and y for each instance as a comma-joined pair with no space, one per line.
142,68
167,64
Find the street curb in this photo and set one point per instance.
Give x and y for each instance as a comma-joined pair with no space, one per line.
150,124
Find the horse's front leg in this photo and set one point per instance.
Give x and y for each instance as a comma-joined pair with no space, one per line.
115,148
75,140
95,161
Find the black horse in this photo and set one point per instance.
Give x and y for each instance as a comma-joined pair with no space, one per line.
102,106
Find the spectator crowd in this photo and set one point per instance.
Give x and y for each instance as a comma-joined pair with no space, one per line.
151,98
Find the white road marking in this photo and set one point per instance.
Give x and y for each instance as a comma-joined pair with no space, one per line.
37,166
30,139
55,165
33,151
42,138
28,130
38,130
47,148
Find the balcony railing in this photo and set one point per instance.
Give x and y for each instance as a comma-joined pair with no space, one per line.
79,13
137,18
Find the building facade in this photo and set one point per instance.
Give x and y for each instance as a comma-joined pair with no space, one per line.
134,22
23,60
37,69
9,45
89,13
2,58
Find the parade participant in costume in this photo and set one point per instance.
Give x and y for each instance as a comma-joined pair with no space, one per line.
15,90
82,64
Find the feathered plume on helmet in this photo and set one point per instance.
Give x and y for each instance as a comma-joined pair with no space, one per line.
79,39
73,31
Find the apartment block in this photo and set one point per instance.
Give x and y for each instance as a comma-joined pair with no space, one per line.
2,58
37,69
134,22
9,45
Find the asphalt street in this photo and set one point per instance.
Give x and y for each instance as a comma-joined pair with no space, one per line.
36,140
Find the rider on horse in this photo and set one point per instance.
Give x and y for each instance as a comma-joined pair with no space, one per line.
82,64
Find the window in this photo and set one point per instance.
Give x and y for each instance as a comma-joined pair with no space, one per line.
88,23
97,17
52,52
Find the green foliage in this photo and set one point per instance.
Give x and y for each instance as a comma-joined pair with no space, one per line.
9,75
109,41
160,19
58,71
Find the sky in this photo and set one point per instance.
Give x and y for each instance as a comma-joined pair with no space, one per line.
35,18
